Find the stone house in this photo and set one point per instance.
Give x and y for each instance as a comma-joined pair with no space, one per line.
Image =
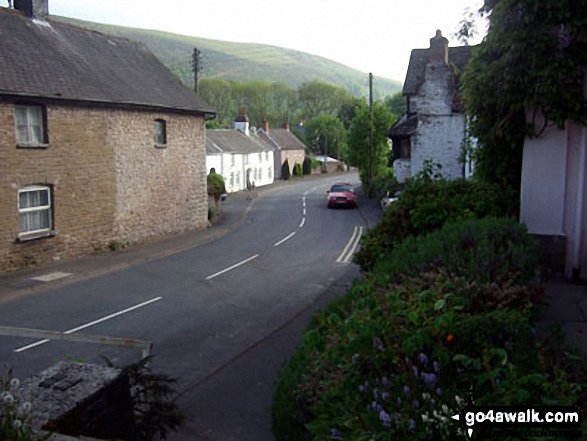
285,145
553,196
100,144
240,156
433,128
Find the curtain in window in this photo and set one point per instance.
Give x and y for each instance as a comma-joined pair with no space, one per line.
29,124
34,210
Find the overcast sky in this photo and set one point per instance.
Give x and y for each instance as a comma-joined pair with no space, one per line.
369,35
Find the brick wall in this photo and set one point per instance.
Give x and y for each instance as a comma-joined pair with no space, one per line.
293,157
109,182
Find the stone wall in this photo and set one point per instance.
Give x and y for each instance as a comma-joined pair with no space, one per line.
110,183
159,190
78,165
293,157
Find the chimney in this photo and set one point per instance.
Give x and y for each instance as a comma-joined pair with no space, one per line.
265,125
38,9
438,52
241,122
285,126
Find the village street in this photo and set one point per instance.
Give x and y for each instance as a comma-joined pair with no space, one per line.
235,306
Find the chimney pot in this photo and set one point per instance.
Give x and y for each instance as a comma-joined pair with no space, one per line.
438,52
265,125
285,126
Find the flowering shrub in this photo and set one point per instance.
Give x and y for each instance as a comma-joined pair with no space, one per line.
401,351
15,412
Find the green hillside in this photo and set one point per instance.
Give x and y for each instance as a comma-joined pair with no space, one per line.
244,61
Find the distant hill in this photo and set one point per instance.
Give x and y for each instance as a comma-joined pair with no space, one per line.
245,61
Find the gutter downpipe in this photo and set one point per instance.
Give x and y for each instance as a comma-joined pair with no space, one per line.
577,236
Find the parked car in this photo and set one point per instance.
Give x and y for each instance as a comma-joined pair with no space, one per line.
342,194
387,200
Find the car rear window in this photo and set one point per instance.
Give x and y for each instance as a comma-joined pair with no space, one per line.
341,188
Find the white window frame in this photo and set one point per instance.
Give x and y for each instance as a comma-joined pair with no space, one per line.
24,211
30,124
160,133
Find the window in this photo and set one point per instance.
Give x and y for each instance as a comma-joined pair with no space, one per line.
232,159
34,208
238,178
30,125
260,157
269,172
266,156
160,133
231,179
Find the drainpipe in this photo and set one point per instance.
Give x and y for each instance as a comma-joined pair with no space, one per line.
577,239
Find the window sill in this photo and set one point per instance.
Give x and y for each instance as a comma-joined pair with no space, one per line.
27,237
160,146
32,145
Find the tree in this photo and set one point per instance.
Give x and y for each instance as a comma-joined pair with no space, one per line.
326,135
371,161
218,93
396,104
532,58
318,98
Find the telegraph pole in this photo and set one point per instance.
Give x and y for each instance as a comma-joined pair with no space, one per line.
197,66
371,159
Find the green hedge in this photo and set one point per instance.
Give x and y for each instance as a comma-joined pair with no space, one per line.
440,317
426,205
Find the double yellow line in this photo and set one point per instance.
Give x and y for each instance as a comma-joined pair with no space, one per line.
351,246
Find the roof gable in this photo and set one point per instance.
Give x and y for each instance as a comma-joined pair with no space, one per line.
458,56
50,59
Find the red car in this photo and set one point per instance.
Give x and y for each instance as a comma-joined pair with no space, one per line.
342,194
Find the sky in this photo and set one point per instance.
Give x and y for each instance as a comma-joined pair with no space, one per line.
374,36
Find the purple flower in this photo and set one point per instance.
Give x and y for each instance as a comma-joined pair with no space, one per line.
439,392
415,369
429,379
436,366
362,388
423,358
416,404
385,382
399,401
412,424
378,344
385,396
334,433
385,418
376,406
398,418
375,393
406,390
497,382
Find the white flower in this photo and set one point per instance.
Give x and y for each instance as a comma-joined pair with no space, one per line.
17,424
426,396
425,417
8,398
14,383
445,408
459,400
26,406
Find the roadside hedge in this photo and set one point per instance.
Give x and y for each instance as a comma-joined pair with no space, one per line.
440,317
425,205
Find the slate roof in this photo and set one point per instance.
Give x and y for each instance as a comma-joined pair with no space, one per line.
459,56
50,59
404,127
282,139
234,141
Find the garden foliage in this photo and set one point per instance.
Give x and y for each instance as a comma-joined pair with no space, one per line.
425,205
444,315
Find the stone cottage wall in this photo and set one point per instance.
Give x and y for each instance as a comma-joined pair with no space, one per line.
110,183
159,190
78,164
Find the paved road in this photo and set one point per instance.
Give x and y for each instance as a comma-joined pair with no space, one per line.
223,316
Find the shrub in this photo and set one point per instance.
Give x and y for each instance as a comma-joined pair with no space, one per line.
307,166
424,206
398,354
215,185
297,170
285,174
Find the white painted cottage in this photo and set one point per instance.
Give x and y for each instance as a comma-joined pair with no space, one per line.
433,127
240,156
